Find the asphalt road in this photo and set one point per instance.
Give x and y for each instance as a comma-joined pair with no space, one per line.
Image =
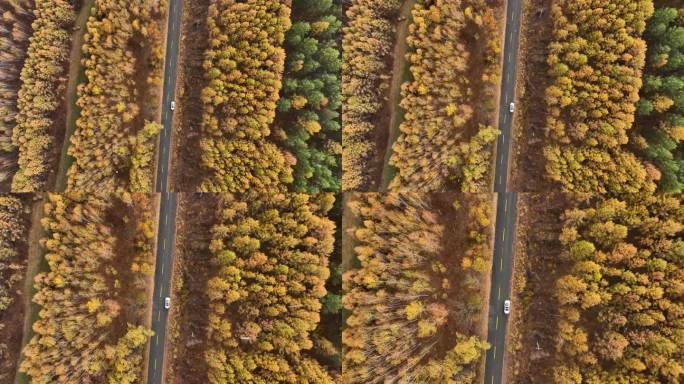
506,205
168,203
162,285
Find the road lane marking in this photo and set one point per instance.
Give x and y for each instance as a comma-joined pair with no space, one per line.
160,292
162,269
499,292
505,118
497,323
155,364
158,335
166,217
164,245
508,75
504,234
495,352
492,379
501,264
506,205
159,314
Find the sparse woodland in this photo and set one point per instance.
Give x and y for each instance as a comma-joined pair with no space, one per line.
93,296
412,303
12,269
442,143
271,264
308,115
367,40
113,143
622,306
15,30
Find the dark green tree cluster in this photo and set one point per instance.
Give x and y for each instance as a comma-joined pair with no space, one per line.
309,107
595,60
271,258
661,107
622,299
243,69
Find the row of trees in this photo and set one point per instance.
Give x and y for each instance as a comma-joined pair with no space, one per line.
12,268
244,67
310,100
107,135
15,30
596,59
434,150
80,335
41,93
271,258
661,107
621,306
399,297
366,47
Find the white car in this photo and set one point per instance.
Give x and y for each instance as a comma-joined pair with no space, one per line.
511,107
507,307
167,303
173,105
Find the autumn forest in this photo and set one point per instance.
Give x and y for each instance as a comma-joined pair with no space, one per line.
353,192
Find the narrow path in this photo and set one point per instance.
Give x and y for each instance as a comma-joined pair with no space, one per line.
36,264
400,74
506,205
76,77
168,205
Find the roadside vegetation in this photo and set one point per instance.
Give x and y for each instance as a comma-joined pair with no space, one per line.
94,296
445,140
271,261
243,70
42,94
114,142
255,305
415,301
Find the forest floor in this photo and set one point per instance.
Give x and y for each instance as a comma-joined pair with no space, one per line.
188,319
455,242
76,76
527,168
400,74
13,316
532,326
185,174
36,264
